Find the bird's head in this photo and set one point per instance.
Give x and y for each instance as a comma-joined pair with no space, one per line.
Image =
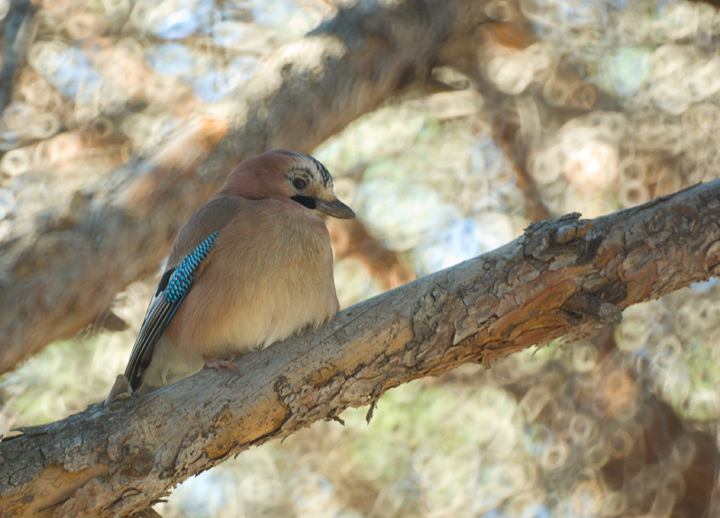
290,174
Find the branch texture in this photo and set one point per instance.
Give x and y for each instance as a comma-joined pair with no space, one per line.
562,278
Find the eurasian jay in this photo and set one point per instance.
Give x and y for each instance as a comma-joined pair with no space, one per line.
252,267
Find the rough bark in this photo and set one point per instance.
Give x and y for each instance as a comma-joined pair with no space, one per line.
563,278
61,270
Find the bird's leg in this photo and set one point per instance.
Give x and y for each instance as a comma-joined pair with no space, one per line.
213,362
121,390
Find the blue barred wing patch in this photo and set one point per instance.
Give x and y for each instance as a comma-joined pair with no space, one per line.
184,274
171,291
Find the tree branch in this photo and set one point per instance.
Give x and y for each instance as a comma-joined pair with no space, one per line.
62,273
562,278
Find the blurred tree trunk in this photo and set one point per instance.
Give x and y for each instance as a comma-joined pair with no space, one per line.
62,269
563,278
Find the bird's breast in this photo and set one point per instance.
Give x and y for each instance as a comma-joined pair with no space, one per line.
269,276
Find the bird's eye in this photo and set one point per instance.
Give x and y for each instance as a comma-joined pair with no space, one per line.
299,183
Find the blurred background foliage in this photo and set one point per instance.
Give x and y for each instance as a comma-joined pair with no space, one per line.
579,105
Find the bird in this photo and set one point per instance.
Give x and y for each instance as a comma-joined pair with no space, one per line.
252,267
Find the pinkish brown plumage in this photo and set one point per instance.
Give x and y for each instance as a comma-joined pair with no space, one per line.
251,267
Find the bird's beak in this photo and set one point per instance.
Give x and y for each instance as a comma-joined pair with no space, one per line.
336,209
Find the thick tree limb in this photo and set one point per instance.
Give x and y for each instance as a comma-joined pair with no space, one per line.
563,278
59,275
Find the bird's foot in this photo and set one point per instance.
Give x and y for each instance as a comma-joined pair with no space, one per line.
213,362
121,390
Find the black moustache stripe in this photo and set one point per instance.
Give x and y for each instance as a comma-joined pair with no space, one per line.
306,201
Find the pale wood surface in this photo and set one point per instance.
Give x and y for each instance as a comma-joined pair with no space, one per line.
563,278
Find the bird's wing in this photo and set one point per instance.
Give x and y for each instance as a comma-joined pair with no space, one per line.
171,291
192,245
